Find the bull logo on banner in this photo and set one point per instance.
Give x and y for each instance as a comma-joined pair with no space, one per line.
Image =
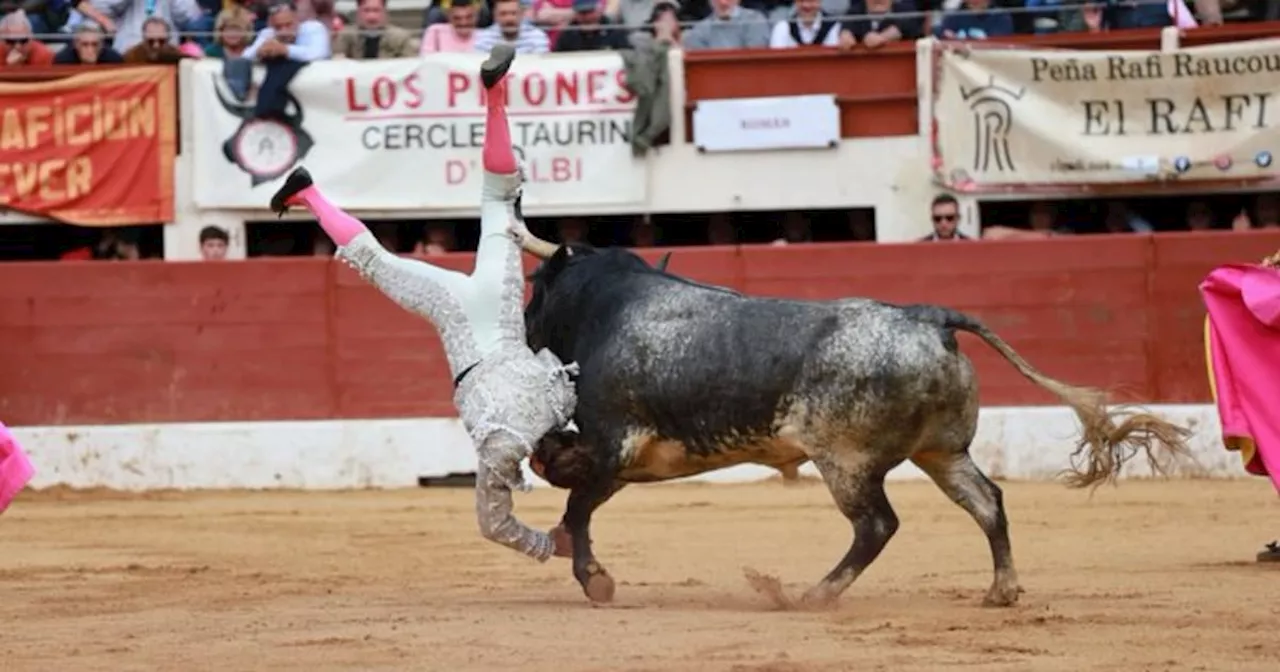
264,147
992,121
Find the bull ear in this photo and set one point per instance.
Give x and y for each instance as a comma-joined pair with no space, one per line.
662,263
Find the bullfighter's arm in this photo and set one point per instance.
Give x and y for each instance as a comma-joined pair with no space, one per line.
1272,261
493,512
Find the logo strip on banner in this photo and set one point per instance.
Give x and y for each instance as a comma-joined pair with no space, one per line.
1008,119
407,134
93,149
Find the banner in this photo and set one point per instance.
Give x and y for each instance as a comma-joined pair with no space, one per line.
1012,118
94,149
407,134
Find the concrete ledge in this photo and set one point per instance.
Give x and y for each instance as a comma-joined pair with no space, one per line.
1012,443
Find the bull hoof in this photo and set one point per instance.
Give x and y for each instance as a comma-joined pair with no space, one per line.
599,586
1001,596
818,598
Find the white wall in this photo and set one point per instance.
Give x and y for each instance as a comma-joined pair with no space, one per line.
1012,443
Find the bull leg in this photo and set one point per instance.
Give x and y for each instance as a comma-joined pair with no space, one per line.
591,575
858,489
967,486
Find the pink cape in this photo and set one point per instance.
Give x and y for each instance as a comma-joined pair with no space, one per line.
1242,343
15,469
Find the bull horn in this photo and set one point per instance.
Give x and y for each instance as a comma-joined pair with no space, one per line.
662,263
535,245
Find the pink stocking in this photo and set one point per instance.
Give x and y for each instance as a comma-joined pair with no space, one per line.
340,226
498,156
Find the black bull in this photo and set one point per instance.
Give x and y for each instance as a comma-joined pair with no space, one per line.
679,378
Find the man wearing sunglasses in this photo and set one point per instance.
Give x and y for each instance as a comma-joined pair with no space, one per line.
156,45
17,46
87,47
130,17
945,211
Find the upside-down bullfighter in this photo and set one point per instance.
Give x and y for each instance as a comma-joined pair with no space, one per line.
679,378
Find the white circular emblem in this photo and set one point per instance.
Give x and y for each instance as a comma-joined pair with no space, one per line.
266,147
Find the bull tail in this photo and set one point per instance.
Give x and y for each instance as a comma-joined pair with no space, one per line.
1110,436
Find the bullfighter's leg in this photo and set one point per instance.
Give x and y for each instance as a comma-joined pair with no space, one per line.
857,485
494,505
498,278
967,486
582,503
413,284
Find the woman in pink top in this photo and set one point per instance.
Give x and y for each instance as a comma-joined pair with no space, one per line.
455,36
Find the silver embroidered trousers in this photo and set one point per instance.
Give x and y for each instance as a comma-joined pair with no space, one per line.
510,397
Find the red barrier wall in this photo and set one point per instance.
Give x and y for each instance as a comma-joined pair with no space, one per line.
305,339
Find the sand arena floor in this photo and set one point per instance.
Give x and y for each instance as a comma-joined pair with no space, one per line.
1150,576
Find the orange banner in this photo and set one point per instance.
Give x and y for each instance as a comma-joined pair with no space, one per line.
94,149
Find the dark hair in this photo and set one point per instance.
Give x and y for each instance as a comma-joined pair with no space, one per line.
564,462
213,233
943,199
662,7
461,3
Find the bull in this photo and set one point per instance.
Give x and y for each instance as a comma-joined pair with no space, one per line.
679,378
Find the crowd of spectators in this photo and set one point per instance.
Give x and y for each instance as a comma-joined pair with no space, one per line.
44,32
283,35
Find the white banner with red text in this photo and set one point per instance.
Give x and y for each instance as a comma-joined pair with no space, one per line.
407,134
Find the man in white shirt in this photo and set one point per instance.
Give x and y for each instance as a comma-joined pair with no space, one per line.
807,27
510,26
287,38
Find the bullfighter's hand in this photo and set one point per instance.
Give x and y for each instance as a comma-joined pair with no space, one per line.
1272,261
518,230
563,540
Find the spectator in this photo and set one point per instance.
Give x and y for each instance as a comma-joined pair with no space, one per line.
156,46
721,231
457,35
879,26
118,245
510,26
1266,214
729,27
372,37
978,23
636,14
437,239
662,28
945,211
1199,216
572,230
1120,219
1042,223
87,47
288,39
795,229
438,12
213,243
1090,17
130,15
285,46
552,16
200,30
17,46
324,12
232,33
644,233
590,30
807,27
